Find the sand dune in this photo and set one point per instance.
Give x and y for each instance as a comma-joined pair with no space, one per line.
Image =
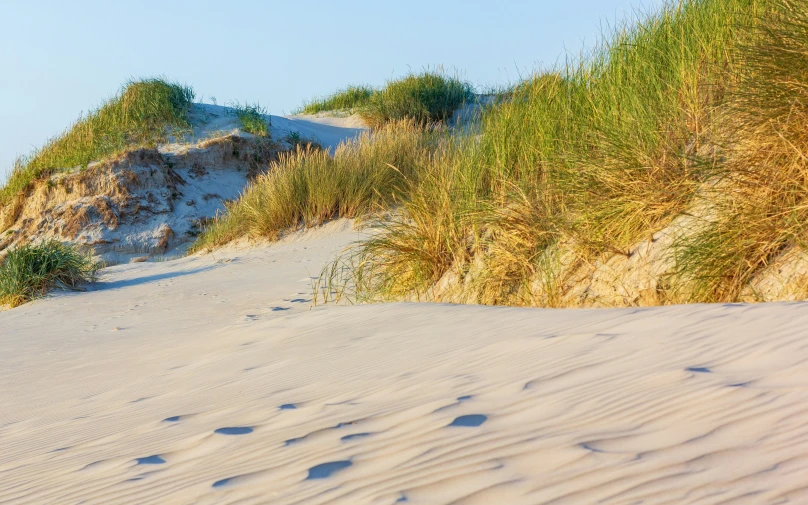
151,203
212,380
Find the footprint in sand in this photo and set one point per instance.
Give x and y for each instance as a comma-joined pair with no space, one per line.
150,460
294,440
698,369
591,448
234,430
469,421
739,385
321,471
223,482
348,438
326,470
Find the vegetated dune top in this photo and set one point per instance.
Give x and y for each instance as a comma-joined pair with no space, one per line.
211,379
153,202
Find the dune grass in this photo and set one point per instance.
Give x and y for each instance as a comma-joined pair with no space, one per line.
762,203
251,118
139,116
425,98
431,96
346,99
704,100
307,186
590,158
30,271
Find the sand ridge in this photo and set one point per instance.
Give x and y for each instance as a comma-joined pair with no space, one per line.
212,380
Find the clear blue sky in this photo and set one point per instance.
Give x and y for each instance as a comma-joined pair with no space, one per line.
60,58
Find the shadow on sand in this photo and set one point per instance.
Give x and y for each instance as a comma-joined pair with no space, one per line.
102,285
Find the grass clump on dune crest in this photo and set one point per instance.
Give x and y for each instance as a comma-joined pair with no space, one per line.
349,98
425,98
307,186
251,118
139,116
30,271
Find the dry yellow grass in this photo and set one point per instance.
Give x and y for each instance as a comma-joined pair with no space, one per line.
307,186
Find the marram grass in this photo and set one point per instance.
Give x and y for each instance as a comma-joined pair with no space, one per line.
140,116
307,186
428,97
591,158
598,154
345,99
29,271
704,100
762,199
252,118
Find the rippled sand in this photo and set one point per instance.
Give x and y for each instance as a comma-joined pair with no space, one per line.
212,380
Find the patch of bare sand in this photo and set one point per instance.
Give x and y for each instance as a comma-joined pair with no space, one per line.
116,395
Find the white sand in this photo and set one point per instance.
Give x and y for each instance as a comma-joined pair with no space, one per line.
585,406
328,130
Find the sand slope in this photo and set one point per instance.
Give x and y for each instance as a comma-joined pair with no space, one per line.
115,395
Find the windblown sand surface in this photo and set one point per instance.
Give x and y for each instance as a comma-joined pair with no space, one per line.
116,395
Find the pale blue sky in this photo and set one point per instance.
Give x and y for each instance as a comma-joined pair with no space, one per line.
59,58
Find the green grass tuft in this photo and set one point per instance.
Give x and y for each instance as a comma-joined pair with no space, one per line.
30,271
425,98
252,118
347,99
140,116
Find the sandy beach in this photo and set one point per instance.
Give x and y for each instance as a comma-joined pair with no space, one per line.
212,380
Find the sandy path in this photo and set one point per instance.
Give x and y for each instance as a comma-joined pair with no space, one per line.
115,396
